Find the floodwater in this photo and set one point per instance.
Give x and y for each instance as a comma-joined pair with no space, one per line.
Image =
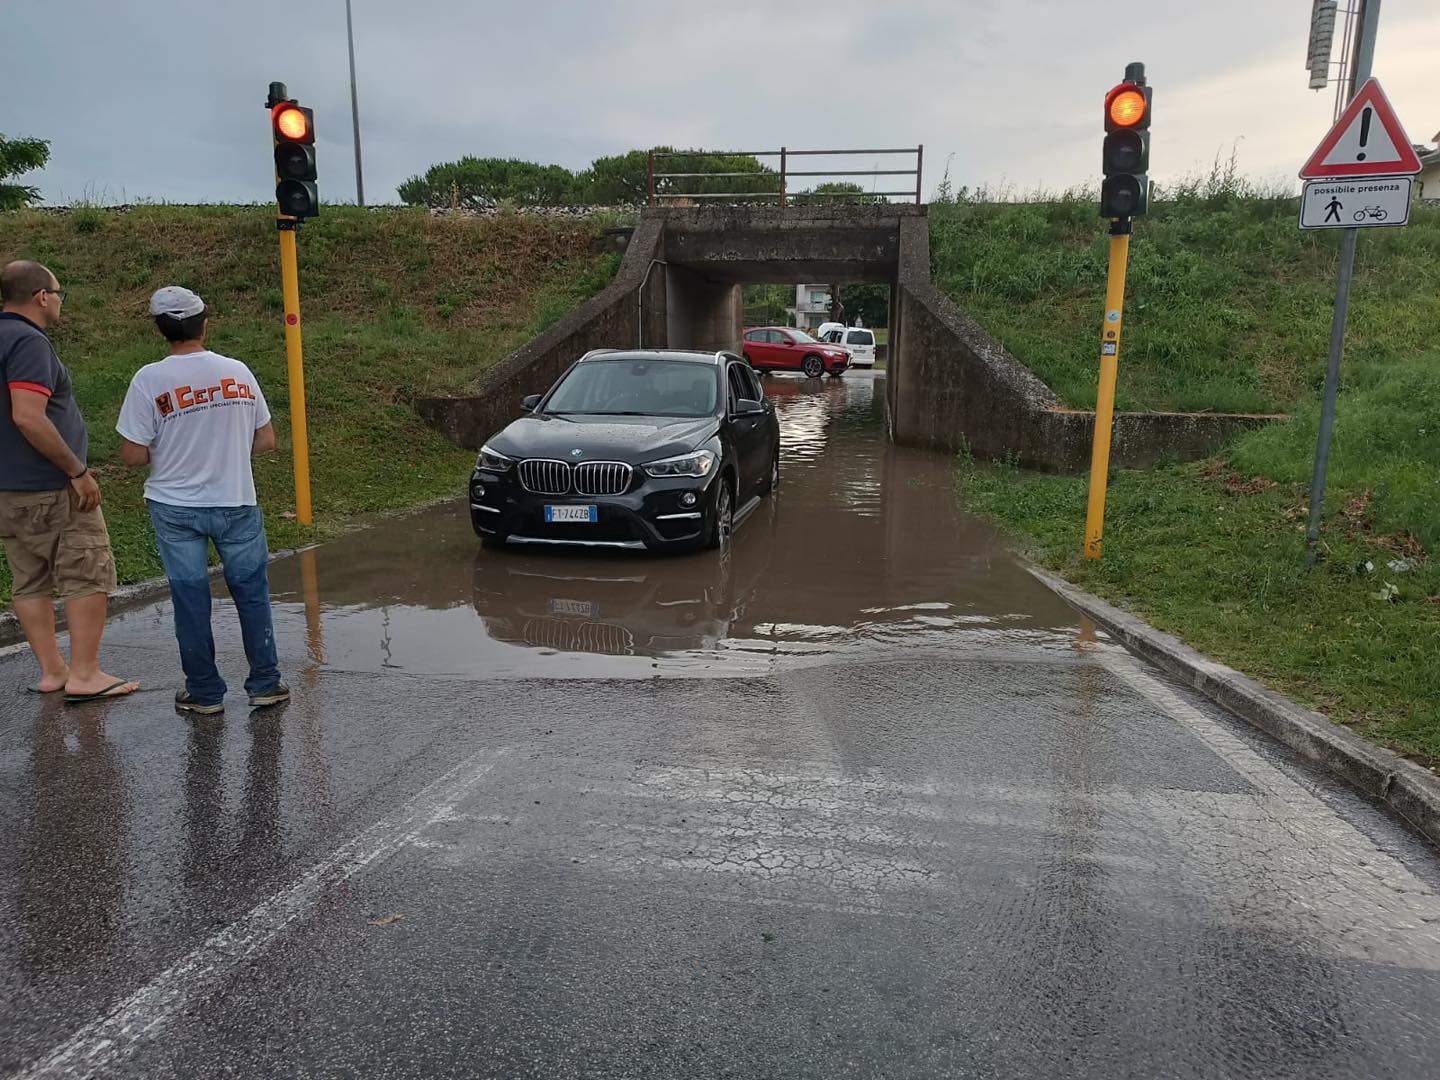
864,552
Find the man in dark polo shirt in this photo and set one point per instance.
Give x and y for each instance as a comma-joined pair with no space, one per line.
50,521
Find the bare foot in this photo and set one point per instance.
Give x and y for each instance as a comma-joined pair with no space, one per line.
100,682
50,683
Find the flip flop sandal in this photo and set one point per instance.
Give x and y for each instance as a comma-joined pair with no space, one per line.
103,695
37,690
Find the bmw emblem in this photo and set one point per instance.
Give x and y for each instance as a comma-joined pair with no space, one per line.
576,453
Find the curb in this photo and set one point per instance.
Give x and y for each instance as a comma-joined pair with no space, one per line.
1409,790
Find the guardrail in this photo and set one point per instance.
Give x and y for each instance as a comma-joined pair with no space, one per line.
666,185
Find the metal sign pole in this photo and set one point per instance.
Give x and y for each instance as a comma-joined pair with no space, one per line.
1364,57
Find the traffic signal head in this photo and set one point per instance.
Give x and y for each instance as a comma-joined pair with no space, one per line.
1125,157
293,133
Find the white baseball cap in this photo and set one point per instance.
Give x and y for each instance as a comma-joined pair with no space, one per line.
176,301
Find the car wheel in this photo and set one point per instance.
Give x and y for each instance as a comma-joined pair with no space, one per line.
773,480
813,366
722,522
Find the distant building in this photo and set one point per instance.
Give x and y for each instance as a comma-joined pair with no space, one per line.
812,306
1429,178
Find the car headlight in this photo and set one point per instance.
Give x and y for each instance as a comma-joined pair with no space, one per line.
493,460
698,463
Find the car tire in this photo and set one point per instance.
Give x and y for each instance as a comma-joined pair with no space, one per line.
722,517
812,366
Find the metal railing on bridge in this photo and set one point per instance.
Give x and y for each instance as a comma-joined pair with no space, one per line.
694,181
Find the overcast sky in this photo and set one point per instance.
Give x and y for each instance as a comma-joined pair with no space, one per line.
142,99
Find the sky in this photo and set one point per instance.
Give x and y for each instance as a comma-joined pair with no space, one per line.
164,101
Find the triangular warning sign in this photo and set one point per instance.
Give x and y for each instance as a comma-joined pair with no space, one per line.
1367,140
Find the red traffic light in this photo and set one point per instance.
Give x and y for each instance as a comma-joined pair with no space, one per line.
1126,106
291,122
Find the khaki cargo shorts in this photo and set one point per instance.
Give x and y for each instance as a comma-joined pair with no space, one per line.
55,549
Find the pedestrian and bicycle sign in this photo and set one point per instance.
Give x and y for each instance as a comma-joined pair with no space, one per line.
1355,204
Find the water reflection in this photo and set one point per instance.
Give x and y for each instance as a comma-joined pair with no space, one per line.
864,550
72,878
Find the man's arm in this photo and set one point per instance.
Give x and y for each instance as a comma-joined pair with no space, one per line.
264,440
27,409
133,454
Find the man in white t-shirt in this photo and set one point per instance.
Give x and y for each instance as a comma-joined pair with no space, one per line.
197,418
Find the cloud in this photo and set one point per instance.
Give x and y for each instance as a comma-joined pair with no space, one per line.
139,106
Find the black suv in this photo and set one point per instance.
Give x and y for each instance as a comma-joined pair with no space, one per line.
631,449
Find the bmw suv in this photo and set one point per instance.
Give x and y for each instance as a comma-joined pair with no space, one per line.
631,449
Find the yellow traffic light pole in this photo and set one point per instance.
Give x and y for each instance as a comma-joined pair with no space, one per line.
295,361
1109,375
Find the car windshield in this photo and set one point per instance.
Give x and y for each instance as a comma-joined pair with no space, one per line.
636,388
800,336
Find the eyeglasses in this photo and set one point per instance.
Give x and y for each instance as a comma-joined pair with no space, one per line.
53,292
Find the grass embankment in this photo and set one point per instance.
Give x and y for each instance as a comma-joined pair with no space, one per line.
397,304
1229,308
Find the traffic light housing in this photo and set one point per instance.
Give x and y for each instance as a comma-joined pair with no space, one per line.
292,129
1125,158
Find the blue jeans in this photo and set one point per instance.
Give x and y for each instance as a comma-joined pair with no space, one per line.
238,532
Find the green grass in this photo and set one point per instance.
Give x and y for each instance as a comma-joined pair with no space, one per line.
1213,552
1228,302
1228,309
397,304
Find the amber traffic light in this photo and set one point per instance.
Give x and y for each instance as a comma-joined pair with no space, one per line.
292,130
1125,157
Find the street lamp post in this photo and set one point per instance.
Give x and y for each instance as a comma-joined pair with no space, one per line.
354,107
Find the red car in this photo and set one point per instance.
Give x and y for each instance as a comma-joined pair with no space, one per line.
783,348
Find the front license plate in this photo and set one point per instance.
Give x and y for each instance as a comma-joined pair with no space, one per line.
586,514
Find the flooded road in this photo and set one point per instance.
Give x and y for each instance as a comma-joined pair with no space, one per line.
864,553
861,800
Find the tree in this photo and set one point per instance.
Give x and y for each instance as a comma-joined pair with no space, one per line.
868,302
842,192
475,182
17,157
624,180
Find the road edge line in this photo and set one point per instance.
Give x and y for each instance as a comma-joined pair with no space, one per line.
1410,790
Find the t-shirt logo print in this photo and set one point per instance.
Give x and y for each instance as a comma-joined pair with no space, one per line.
164,404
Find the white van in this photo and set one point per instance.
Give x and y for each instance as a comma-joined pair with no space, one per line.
858,341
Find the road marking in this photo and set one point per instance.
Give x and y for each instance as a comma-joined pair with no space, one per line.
98,1047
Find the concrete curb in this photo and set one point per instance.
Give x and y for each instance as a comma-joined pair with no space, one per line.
1409,790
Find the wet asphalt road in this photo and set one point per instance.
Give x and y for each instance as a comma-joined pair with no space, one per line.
863,800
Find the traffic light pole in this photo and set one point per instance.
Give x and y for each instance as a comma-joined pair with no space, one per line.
1109,375
295,359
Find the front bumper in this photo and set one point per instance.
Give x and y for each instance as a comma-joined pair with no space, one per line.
650,516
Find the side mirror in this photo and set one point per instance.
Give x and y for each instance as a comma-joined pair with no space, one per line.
747,407
528,403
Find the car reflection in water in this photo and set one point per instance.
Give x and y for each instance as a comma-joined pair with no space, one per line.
621,605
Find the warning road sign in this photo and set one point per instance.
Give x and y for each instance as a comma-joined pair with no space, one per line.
1355,204
1367,140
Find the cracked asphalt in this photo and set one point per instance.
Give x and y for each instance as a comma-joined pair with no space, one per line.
862,800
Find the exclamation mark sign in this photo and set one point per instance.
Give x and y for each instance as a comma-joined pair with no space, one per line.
1365,116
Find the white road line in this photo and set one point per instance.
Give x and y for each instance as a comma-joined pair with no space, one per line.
98,1047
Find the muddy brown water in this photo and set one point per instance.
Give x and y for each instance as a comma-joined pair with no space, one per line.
864,551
